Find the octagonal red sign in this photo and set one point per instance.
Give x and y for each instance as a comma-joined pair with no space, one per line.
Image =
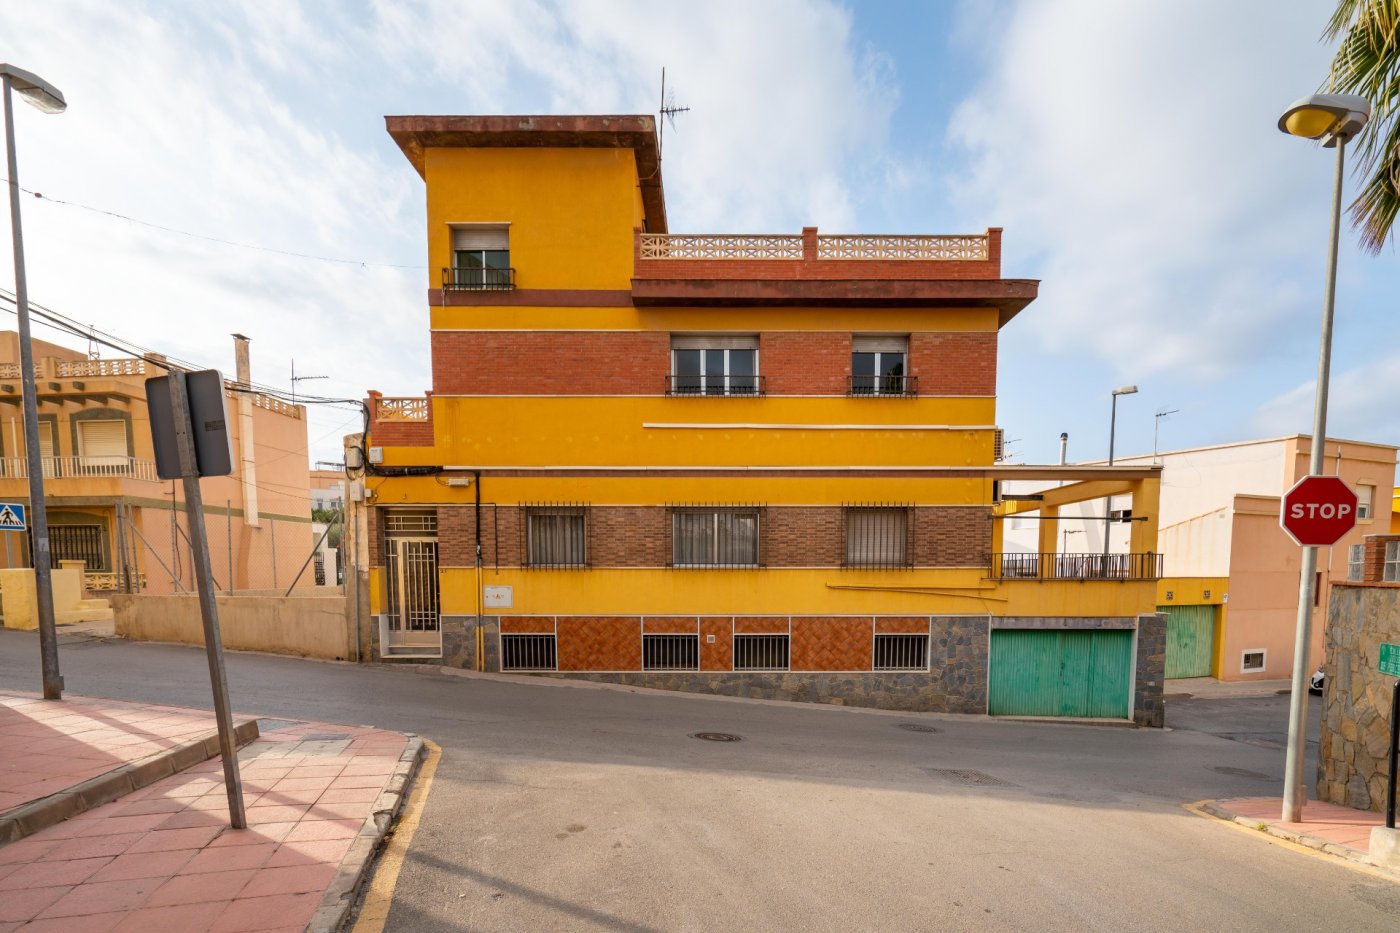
1318,511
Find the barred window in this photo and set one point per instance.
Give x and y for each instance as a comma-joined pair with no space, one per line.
670,652
410,521
761,652
529,653
714,537
901,653
556,536
877,536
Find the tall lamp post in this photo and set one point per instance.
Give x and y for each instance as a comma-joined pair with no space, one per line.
1334,119
49,99
1108,502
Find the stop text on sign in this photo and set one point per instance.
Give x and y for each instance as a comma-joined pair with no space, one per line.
1324,510
1319,511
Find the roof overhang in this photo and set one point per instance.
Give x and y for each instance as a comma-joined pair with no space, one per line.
415,134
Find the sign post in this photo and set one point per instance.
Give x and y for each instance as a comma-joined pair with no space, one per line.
1389,663
173,430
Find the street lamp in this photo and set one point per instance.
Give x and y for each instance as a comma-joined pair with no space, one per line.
1108,503
49,99
1334,119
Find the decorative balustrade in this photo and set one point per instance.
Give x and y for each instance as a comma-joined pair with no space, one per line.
936,248
277,405
79,369
9,371
402,409
690,246
98,581
82,467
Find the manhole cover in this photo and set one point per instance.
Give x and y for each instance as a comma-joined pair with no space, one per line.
967,778
1244,773
277,725
717,736
914,727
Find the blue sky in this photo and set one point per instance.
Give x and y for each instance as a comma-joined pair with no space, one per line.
1129,150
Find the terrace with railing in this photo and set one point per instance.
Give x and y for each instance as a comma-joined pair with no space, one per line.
87,467
1145,566
403,421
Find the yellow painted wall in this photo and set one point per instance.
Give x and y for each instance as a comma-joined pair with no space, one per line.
571,211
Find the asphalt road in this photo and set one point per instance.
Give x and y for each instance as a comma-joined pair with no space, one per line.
571,808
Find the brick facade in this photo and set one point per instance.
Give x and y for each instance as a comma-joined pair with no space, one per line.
954,363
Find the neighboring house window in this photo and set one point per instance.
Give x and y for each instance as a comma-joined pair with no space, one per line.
480,258
78,542
1356,561
1365,495
880,366
102,447
877,536
715,366
555,536
1253,660
761,652
901,653
670,652
722,537
1391,571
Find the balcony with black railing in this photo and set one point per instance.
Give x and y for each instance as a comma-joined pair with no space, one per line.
1141,566
455,278
888,385
696,385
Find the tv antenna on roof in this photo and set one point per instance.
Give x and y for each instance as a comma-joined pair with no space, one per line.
668,112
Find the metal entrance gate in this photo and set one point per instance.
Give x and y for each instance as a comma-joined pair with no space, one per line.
411,572
1064,672
1190,640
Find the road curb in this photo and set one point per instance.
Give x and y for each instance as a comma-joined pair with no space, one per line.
30,818
1303,839
355,867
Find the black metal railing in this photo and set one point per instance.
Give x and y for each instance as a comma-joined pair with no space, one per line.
1143,566
464,279
882,385
715,385
901,653
556,536
716,536
529,653
761,652
670,652
877,535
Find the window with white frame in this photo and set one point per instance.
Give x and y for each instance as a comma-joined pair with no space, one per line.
1356,561
1390,573
1253,660
480,257
880,366
714,365
715,537
1365,495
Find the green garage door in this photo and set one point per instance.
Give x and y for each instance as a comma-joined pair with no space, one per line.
1046,672
1190,640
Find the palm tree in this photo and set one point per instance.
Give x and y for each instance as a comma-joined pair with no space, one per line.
1368,63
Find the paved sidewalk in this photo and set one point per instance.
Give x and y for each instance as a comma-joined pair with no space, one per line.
1334,829
319,798
1209,688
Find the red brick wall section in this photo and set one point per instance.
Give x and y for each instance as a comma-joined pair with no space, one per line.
669,625
550,362
1373,557
719,655
815,363
526,625
599,644
501,530
954,363
629,536
831,644
760,625
901,625
952,536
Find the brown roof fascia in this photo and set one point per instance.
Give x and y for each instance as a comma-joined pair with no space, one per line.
637,132
1008,296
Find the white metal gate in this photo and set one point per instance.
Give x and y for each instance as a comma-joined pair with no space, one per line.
411,571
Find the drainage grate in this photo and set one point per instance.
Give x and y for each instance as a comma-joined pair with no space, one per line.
277,725
967,778
717,736
1244,773
914,727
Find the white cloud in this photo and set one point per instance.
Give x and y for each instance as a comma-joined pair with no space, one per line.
1360,404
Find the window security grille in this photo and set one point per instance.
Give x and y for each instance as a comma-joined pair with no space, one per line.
715,365
715,537
1391,572
877,536
1252,659
529,653
77,542
670,652
555,536
901,653
878,366
410,523
761,652
1356,560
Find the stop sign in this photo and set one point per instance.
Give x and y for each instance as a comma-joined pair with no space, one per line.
1318,511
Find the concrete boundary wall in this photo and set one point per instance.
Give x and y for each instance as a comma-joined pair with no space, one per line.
308,626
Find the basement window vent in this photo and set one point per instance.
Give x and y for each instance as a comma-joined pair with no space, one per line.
670,652
901,653
1252,660
529,653
761,652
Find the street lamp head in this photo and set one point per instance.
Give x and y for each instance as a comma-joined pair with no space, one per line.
1125,390
1329,117
34,89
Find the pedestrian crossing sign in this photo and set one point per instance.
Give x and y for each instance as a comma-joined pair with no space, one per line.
12,517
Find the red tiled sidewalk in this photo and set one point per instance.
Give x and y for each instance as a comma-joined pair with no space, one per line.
1328,826
49,746
165,858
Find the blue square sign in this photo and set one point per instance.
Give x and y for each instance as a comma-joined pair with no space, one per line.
12,517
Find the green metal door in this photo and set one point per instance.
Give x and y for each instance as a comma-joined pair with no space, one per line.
1190,640
1043,672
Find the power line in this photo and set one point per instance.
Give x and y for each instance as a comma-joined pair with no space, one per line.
362,263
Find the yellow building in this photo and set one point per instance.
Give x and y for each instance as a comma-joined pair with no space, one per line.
107,508
752,464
